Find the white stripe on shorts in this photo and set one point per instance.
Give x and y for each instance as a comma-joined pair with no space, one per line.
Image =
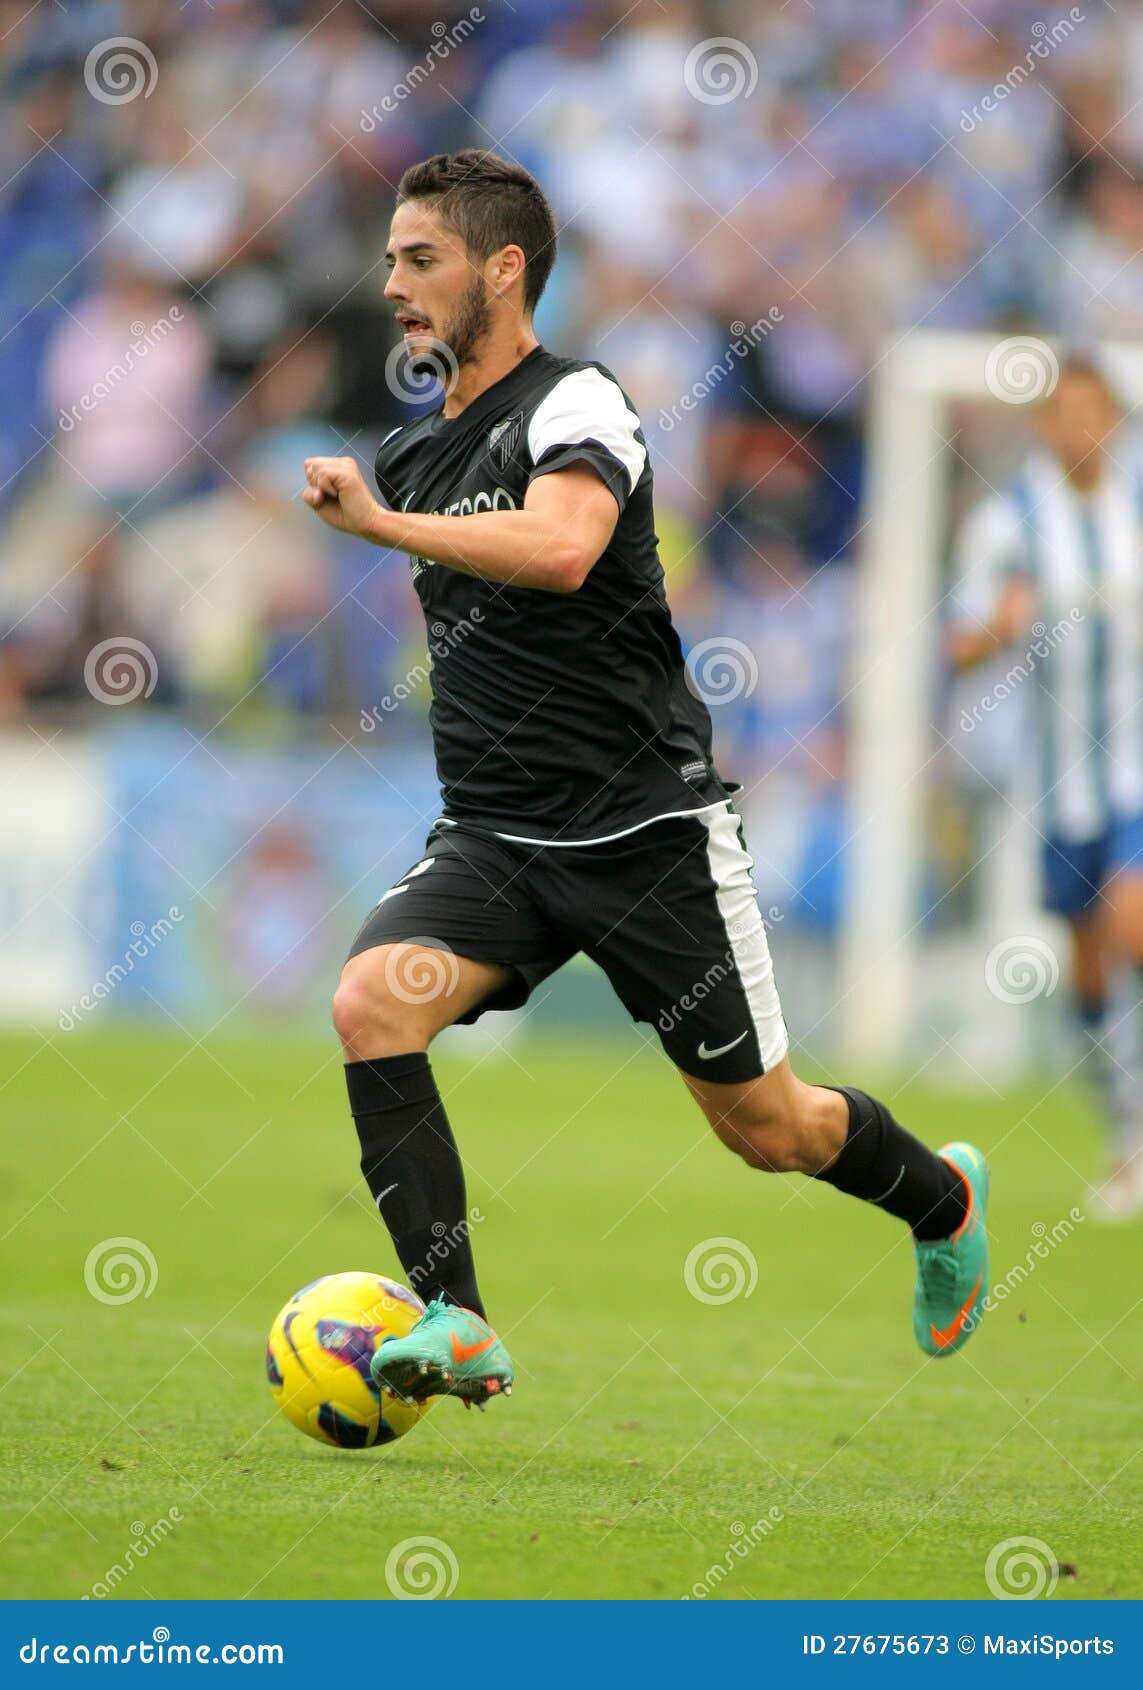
730,866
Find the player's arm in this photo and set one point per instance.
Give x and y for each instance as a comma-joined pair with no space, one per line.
995,599
1015,608
550,544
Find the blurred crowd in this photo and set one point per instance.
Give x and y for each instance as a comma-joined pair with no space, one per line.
754,197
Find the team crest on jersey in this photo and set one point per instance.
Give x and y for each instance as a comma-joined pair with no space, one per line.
504,438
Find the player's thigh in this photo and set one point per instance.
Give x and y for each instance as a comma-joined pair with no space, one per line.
457,934
678,931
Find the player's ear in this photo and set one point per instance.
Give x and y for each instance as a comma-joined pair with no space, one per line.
506,268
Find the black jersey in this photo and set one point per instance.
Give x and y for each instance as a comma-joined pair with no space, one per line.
556,717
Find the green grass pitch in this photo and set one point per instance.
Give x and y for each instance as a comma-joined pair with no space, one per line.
649,1431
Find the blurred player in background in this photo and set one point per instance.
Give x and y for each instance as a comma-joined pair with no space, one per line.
582,810
1062,549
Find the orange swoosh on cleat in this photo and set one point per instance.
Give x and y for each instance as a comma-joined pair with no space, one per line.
465,1352
956,1326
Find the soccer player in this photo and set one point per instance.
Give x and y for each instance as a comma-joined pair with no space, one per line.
1063,548
581,808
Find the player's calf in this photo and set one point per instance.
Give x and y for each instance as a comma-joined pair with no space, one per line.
775,1123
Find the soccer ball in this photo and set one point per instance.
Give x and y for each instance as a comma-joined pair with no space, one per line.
318,1355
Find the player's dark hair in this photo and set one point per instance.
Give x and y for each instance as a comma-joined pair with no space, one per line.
491,203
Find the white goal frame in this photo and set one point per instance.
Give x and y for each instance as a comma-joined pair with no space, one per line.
897,632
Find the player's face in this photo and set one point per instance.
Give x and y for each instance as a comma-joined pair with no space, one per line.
1078,418
440,295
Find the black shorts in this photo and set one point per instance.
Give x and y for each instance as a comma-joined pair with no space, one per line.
668,911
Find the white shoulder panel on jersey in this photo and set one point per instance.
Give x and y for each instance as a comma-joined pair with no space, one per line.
587,406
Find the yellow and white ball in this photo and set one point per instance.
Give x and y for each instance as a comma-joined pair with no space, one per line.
318,1355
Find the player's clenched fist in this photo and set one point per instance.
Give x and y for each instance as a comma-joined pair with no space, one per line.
339,495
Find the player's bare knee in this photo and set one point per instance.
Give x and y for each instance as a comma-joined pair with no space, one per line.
368,1013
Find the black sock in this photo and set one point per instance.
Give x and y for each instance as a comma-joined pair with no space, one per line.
413,1168
886,1166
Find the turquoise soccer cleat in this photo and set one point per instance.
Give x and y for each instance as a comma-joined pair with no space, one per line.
449,1352
952,1273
